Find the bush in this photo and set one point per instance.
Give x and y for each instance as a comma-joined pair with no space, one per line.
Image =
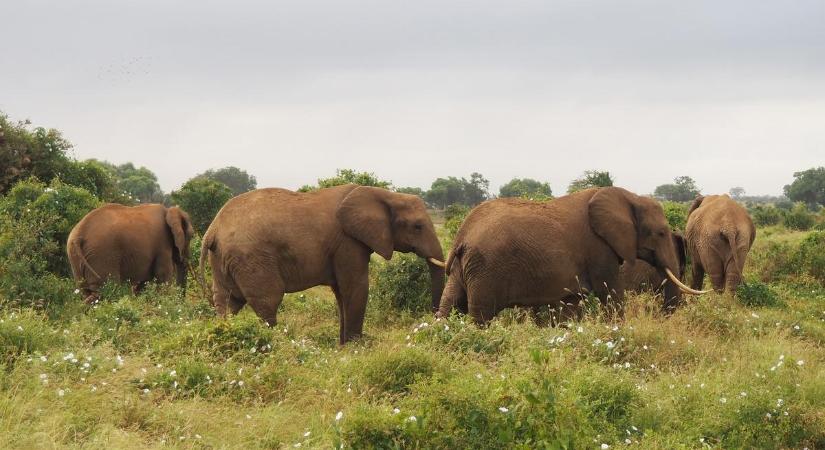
799,218
809,257
404,283
202,198
395,372
765,216
676,214
454,216
22,334
757,294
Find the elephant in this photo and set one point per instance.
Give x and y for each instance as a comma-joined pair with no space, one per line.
719,235
514,252
135,244
268,242
641,276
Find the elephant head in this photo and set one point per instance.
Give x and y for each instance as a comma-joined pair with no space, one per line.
635,227
182,231
388,221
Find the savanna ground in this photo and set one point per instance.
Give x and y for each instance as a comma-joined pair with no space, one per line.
157,370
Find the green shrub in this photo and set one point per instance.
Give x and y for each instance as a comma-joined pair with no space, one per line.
809,257
756,294
799,218
454,216
403,283
764,216
676,214
395,372
202,198
24,333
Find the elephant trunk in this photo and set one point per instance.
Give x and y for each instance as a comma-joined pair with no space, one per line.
434,256
181,267
668,265
437,279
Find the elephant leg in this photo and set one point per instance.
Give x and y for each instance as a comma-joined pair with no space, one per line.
698,274
716,271
733,276
339,301
353,304
262,291
482,311
220,299
235,304
454,295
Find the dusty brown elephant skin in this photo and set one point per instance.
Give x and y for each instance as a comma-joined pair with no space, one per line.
719,235
267,242
135,244
511,252
641,276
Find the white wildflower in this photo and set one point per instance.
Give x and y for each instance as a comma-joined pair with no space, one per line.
339,416
503,409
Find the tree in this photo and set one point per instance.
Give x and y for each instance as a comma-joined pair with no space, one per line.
96,178
476,190
445,192
201,198
42,153
139,183
411,190
347,176
808,186
590,179
236,179
525,187
682,189
737,192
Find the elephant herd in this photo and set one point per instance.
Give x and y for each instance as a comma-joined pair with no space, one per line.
508,252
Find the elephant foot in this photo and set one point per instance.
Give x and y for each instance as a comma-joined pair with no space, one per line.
92,299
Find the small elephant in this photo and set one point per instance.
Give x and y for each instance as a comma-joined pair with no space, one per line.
267,242
719,235
135,244
641,276
512,252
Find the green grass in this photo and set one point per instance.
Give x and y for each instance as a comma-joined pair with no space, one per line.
158,371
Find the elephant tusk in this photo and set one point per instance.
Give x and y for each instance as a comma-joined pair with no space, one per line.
437,262
682,286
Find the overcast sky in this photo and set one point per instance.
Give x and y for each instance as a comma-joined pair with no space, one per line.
731,93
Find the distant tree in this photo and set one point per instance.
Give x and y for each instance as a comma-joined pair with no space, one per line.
346,176
589,179
236,179
202,198
808,187
411,190
682,189
737,192
525,187
451,190
96,178
41,152
139,183
476,190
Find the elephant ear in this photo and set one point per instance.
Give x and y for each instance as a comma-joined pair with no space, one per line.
182,231
365,216
697,202
613,218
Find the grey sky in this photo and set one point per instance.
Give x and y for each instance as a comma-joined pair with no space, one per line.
731,93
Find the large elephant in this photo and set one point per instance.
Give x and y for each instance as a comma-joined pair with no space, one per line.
641,276
511,252
270,241
135,244
719,235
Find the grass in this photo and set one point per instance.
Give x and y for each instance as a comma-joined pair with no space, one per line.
158,370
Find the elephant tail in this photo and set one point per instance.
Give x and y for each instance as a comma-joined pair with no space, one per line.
76,251
457,251
731,235
207,245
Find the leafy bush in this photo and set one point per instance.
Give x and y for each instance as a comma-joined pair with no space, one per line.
799,218
395,372
764,216
404,283
676,214
202,198
756,294
22,334
809,257
454,216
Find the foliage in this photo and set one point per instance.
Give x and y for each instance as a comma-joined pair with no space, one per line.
347,176
404,282
756,294
799,218
454,216
411,190
676,214
525,188
590,179
737,192
139,183
239,181
451,190
201,198
98,179
810,256
765,215
24,153
808,186
683,189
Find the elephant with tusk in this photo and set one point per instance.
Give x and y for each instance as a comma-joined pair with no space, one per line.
511,252
267,242
641,276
